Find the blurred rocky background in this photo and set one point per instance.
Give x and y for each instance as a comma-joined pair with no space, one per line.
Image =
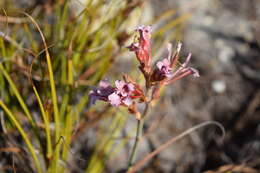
224,39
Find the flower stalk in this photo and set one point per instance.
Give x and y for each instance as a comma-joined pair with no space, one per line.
139,132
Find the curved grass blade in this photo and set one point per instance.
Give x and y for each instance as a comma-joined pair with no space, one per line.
53,95
24,136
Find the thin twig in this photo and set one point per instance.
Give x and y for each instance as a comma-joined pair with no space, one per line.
16,20
171,141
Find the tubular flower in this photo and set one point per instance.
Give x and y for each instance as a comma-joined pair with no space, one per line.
164,70
183,71
142,48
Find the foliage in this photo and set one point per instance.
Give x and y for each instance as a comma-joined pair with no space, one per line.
50,58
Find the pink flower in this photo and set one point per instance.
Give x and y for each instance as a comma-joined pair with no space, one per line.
114,99
123,88
183,71
164,71
122,94
164,68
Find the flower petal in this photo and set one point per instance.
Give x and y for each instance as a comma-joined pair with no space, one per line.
187,60
166,63
169,49
195,72
104,83
159,65
127,101
120,84
114,99
131,87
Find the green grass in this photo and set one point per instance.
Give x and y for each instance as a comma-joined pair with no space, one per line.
49,60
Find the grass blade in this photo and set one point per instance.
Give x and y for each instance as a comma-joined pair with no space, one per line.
24,136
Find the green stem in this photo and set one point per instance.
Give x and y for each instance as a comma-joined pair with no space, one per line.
53,96
140,124
22,102
46,123
17,94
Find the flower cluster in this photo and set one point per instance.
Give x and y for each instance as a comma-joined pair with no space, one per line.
164,72
123,93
